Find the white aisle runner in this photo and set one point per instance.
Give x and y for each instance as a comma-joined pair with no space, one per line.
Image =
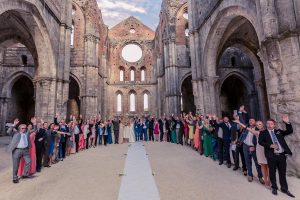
138,182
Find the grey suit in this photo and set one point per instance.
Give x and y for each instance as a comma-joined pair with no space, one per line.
17,154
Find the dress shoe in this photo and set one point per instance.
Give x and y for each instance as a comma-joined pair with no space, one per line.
274,191
261,180
48,166
250,178
288,193
228,165
245,173
235,168
16,181
220,163
26,176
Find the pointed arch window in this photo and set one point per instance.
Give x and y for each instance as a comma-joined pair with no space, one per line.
121,74
119,102
72,35
146,102
143,74
132,74
132,107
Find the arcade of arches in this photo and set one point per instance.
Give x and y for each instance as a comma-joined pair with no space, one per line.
201,58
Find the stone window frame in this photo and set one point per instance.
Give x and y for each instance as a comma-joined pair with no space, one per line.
132,92
117,102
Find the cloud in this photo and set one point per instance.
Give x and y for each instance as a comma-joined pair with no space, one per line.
115,11
109,4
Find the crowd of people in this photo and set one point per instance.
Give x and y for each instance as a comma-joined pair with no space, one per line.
39,144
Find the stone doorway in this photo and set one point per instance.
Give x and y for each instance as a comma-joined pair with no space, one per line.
22,104
187,96
74,99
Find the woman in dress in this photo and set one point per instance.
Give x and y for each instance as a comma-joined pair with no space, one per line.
186,131
81,135
197,136
85,134
165,130
93,136
191,129
121,132
109,132
131,131
70,137
207,138
126,133
32,154
156,130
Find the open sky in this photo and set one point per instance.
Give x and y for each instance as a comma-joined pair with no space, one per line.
115,11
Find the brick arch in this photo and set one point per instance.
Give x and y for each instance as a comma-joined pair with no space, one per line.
11,80
31,14
217,31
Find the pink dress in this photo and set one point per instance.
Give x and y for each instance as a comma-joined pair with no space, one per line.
32,155
81,139
73,149
196,138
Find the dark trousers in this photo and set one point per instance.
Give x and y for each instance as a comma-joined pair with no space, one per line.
151,136
237,153
278,162
169,136
180,137
96,139
39,158
224,150
100,139
62,149
161,137
116,132
105,139
77,142
87,140
249,155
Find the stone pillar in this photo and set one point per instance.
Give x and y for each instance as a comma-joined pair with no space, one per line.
172,80
3,114
45,98
90,69
269,17
281,60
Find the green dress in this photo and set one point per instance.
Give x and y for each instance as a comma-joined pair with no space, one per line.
207,138
173,133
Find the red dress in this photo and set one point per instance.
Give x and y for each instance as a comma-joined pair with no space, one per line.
32,155
156,128
196,138
81,139
186,129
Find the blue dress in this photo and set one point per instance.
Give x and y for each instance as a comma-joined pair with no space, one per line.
109,135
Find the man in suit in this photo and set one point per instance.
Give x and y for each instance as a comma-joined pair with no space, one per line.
19,146
276,150
224,142
161,129
243,115
151,127
116,125
39,141
249,142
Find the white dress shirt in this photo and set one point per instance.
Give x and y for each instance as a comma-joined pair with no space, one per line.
23,143
280,149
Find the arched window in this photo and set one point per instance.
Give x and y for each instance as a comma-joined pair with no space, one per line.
146,102
143,75
132,102
72,35
119,103
121,74
132,74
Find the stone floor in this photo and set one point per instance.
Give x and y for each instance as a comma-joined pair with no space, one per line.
179,173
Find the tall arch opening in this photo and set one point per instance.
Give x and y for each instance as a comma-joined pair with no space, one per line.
22,104
233,94
187,96
74,98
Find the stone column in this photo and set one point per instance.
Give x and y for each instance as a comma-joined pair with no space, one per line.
3,114
45,98
172,80
90,69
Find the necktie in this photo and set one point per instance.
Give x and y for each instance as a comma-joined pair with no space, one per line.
25,142
274,138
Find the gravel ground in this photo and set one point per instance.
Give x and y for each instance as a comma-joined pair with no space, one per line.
92,174
181,174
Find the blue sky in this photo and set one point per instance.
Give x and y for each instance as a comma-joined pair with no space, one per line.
115,11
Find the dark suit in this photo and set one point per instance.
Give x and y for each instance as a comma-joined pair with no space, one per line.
276,161
161,129
224,143
40,147
236,133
